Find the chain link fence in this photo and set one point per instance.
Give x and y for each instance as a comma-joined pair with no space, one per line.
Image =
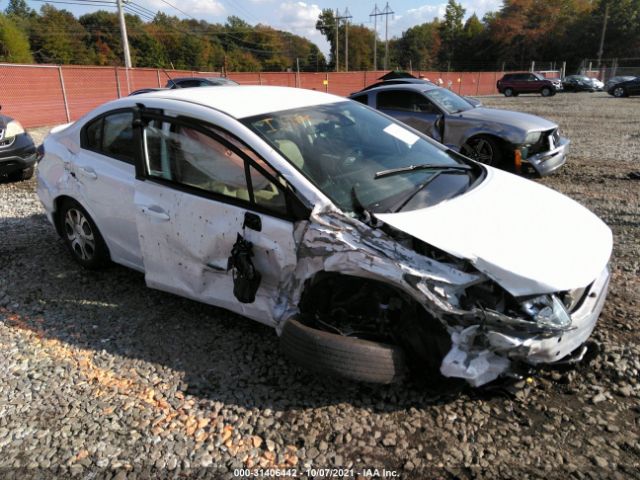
40,95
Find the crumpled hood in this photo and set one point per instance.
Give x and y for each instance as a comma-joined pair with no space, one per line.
523,121
528,238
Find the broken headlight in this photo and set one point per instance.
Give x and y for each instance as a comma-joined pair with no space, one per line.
547,310
532,137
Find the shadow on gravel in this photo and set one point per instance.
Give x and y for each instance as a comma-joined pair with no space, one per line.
195,348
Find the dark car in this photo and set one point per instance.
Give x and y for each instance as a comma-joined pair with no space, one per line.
513,84
140,91
17,150
625,89
501,138
612,81
579,83
188,82
398,81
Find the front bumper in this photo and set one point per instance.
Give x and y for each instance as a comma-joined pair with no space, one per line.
546,163
18,155
550,349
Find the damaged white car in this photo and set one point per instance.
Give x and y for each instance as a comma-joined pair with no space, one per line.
369,247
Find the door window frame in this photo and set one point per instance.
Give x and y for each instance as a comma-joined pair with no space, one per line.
295,208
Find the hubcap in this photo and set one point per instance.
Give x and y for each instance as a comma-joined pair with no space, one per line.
79,234
480,151
618,92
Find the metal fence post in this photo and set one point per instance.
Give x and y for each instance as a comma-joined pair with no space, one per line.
259,78
478,84
158,72
117,82
64,94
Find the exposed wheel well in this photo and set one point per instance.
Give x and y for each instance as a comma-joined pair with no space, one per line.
371,309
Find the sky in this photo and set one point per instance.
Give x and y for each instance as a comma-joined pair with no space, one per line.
298,17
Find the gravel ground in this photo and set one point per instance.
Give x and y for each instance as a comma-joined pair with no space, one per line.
102,377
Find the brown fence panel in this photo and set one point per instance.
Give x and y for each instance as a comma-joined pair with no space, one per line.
345,83
144,78
88,87
247,78
32,95
281,79
313,81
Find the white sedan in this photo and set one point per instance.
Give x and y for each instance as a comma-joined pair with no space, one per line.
369,247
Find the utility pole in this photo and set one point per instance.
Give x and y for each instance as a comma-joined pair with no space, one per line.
604,31
123,32
386,12
337,24
375,14
346,16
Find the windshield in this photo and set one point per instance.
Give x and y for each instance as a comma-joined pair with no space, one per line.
340,147
448,101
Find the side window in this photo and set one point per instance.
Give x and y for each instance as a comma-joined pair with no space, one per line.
117,136
395,100
193,158
190,83
362,99
112,135
533,78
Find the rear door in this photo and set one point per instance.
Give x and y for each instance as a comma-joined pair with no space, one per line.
411,108
104,170
201,189
634,87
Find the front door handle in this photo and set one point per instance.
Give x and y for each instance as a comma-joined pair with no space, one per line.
88,172
155,212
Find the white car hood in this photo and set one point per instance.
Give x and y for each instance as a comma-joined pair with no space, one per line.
528,238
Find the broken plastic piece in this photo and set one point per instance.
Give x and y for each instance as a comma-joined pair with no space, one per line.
246,279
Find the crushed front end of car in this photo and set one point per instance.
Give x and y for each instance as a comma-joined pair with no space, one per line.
544,151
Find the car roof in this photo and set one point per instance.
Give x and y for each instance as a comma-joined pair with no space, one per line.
415,87
248,100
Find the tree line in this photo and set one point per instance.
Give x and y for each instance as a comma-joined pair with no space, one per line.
517,33
56,36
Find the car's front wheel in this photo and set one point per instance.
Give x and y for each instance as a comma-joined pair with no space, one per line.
546,92
81,236
619,92
484,150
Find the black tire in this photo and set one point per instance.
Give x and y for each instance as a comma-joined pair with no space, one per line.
508,92
81,236
21,175
546,92
619,92
485,150
345,357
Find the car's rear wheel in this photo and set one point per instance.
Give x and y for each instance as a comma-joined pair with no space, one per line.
508,92
81,236
546,92
24,174
619,92
483,149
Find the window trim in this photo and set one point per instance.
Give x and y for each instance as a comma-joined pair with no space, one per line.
295,208
84,139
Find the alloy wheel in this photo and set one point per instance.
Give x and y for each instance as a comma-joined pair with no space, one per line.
479,150
79,234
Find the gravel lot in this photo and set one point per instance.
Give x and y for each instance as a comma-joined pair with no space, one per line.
101,377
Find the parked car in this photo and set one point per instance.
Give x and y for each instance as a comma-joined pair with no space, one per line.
513,84
612,81
398,81
17,150
189,82
501,138
146,90
625,89
361,241
579,83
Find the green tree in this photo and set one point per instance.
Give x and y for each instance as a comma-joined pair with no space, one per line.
326,25
14,44
418,47
451,30
58,37
19,8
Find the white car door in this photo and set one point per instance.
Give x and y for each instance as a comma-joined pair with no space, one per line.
201,189
104,169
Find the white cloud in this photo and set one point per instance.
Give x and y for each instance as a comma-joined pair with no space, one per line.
300,18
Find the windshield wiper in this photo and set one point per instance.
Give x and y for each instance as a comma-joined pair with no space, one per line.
421,166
